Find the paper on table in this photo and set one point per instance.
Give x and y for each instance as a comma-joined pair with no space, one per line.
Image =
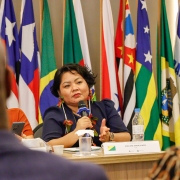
82,132
76,149
81,155
36,144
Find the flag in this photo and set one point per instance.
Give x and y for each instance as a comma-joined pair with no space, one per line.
82,36
177,56
48,64
146,96
9,35
29,75
108,66
1,12
129,70
82,32
72,52
170,116
119,45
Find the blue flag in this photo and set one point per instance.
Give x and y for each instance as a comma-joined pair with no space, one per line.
29,75
9,34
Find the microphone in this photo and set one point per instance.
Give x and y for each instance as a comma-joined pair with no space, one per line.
82,109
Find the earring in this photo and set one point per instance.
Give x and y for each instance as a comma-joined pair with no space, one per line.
61,101
92,95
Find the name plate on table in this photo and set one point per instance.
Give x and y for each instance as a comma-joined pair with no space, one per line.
131,147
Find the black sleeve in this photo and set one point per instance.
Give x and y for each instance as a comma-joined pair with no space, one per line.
53,124
113,121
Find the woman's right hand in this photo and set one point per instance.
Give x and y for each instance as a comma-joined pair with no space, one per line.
83,123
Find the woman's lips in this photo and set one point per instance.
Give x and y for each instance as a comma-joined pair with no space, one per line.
76,95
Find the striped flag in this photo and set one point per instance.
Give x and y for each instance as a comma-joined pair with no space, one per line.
119,45
170,116
108,66
177,56
72,48
82,35
29,76
129,70
48,64
146,97
9,35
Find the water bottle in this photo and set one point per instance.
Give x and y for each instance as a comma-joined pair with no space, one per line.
137,126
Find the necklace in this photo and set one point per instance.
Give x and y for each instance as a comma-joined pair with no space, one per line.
69,123
74,117
75,113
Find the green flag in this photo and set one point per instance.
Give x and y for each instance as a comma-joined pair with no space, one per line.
48,64
170,116
72,48
146,97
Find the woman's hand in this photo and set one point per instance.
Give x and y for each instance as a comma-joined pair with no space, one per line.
83,123
104,132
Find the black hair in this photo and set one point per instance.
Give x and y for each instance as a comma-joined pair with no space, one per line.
84,71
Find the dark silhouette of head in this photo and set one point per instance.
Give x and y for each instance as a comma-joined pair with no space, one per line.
5,88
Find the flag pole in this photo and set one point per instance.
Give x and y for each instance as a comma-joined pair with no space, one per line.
64,11
158,40
101,3
123,4
40,21
159,23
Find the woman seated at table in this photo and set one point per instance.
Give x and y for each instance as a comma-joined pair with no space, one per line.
72,84
17,115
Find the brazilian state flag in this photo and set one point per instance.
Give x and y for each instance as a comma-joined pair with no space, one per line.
48,64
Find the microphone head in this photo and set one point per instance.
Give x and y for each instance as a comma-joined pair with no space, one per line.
81,104
82,109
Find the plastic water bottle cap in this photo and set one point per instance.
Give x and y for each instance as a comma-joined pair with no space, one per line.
137,110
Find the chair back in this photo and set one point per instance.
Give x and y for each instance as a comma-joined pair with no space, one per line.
38,131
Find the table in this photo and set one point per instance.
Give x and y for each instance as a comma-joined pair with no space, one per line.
123,167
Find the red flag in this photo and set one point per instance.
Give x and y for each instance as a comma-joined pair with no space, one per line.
119,42
109,83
